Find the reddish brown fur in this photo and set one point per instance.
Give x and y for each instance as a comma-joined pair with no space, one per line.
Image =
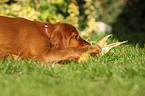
29,39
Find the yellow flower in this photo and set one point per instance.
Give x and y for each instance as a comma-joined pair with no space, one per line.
84,58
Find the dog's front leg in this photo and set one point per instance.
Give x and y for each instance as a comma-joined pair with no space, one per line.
70,53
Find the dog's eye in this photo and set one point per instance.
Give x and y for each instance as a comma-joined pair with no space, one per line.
76,36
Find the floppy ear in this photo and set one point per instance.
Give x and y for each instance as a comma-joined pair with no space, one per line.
57,39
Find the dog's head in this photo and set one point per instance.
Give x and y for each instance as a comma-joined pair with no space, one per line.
66,35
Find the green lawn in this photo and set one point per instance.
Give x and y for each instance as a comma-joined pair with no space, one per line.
119,74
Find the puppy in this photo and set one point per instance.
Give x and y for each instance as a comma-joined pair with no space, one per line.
42,40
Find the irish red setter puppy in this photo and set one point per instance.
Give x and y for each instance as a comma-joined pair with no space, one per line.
42,40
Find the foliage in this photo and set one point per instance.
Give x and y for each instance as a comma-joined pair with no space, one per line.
130,23
73,11
99,10
82,14
18,10
91,18
50,10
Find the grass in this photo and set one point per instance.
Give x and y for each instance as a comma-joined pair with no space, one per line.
119,74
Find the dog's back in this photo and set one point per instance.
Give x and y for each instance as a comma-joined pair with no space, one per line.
17,35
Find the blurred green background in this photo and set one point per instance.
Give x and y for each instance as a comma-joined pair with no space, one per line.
127,17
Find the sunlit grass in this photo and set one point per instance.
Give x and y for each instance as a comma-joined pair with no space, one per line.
118,73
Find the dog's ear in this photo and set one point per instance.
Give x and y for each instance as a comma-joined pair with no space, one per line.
57,39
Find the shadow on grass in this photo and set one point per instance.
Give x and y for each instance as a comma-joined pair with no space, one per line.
130,24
